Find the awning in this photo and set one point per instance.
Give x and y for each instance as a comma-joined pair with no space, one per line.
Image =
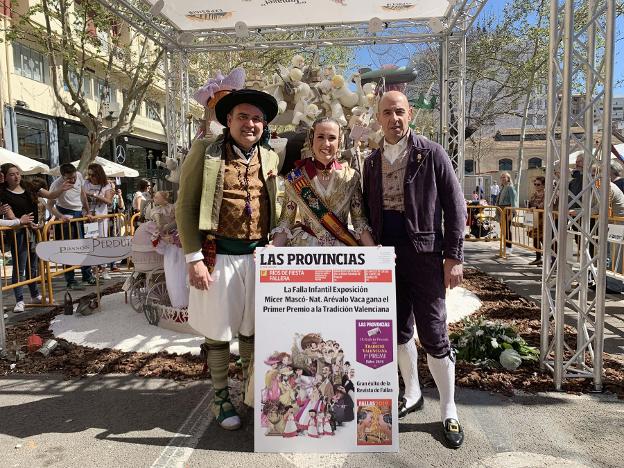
196,15
26,165
111,169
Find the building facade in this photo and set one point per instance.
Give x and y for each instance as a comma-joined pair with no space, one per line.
36,125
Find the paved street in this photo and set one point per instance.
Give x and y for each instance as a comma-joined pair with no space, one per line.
117,420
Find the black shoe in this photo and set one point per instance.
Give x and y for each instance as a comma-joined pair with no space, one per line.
75,286
453,433
404,410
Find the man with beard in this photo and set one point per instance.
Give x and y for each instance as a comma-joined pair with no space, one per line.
417,206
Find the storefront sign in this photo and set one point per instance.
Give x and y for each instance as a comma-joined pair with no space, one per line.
325,350
86,252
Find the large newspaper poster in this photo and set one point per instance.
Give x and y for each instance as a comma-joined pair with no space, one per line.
325,353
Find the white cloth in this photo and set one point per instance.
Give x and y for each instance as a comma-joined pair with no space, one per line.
495,189
138,199
9,222
393,152
70,199
175,274
443,373
227,307
407,357
99,208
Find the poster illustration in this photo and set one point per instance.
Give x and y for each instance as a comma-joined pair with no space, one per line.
325,370
374,422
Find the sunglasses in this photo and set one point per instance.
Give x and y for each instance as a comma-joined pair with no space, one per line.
537,185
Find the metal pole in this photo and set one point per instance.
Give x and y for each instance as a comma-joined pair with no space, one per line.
549,267
444,93
606,154
461,110
560,298
586,240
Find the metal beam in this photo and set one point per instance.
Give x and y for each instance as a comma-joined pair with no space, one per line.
575,234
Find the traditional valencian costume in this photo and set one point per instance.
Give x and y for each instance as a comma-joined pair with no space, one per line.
323,212
226,208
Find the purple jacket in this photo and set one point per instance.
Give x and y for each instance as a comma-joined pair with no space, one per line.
431,193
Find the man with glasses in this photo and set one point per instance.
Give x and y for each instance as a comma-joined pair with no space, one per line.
70,204
226,208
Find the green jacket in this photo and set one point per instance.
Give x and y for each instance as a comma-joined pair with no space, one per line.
507,196
201,190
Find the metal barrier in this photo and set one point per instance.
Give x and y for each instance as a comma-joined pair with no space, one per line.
482,224
615,253
20,241
527,232
73,229
132,221
526,228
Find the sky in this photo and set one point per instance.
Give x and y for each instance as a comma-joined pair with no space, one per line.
375,56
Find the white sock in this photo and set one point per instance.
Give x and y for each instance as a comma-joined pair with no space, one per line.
443,372
408,365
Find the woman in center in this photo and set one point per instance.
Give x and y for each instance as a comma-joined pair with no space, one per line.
323,192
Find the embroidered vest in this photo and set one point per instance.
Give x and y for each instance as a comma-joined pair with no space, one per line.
240,176
393,179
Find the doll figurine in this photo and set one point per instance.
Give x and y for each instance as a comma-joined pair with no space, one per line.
313,424
290,428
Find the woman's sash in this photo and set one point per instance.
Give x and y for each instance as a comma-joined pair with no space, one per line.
299,179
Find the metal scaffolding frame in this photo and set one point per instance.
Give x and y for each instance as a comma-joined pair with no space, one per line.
574,43
449,32
452,90
177,95
581,53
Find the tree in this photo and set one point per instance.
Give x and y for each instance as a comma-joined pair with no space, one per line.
81,35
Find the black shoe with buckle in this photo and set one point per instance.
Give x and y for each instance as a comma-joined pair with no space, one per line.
404,410
453,433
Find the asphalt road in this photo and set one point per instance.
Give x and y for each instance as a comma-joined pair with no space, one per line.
125,421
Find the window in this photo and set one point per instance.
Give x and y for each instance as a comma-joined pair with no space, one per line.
469,166
87,79
76,144
32,137
106,94
505,165
535,163
152,109
29,63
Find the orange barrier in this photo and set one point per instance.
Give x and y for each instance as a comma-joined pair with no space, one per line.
482,223
132,222
11,238
527,227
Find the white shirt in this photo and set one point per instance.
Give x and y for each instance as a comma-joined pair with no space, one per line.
100,208
394,152
495,189
70,199
9,222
